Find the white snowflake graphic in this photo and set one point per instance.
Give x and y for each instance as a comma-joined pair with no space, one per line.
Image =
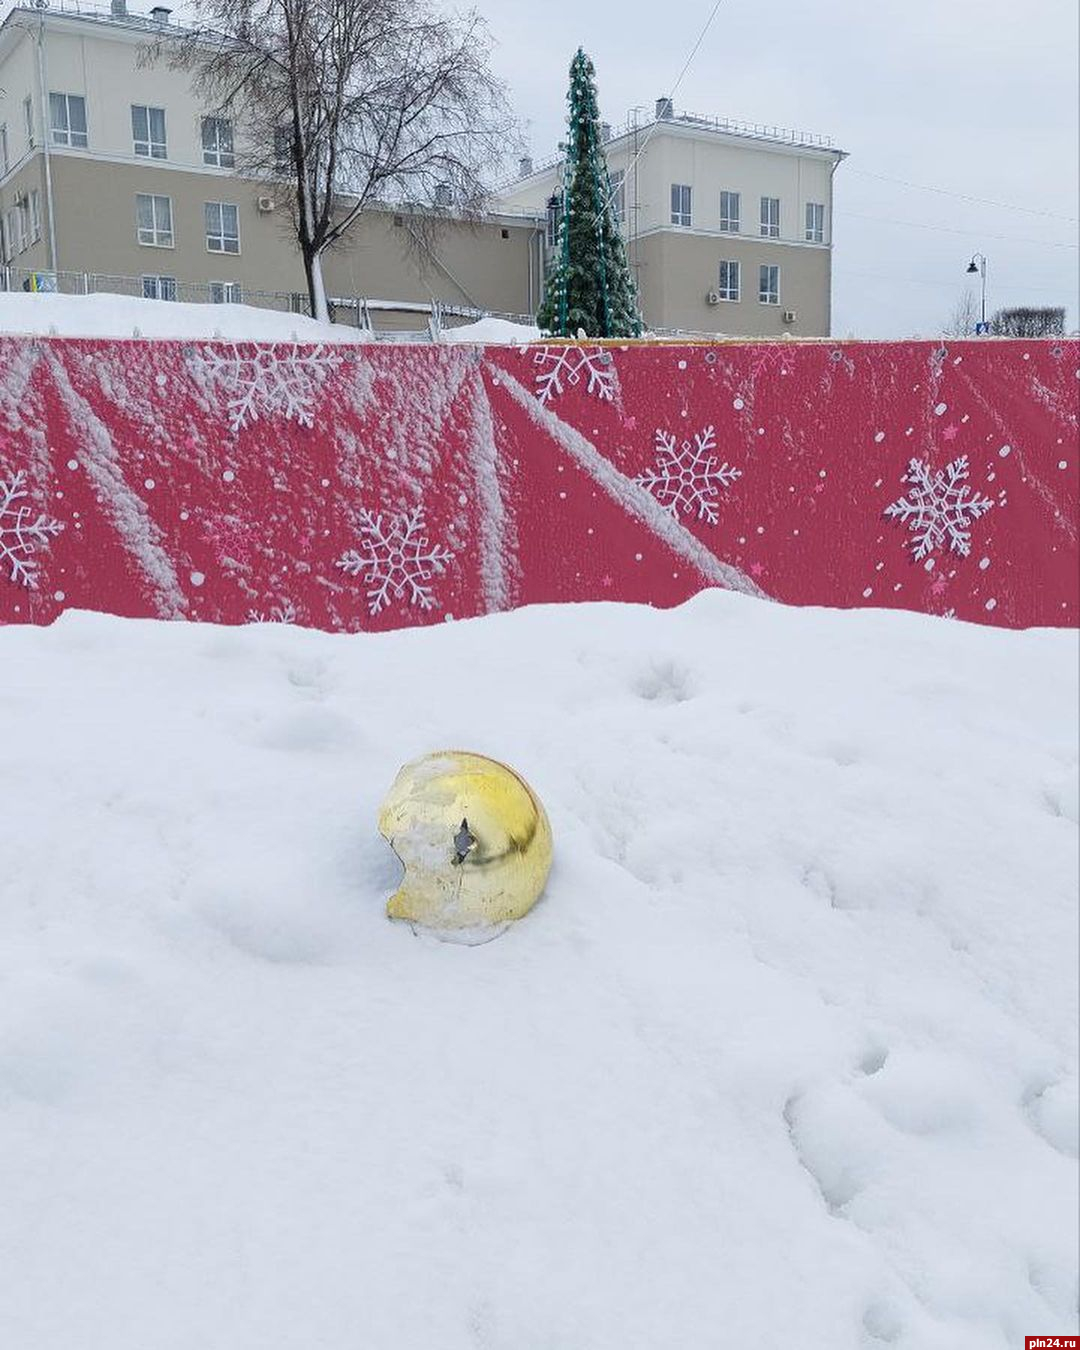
266,381
686,477
938,509
566,366
396,558
21,532
283,613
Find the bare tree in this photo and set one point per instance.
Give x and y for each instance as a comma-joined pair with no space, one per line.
350,102
961,322
1028,321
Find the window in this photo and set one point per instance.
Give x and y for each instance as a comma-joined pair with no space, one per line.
159,288
222,227
153,217
148,131
67,115
5,163
770,217
729,212
554,216
769,285
283,160
815,223
729,281
618,195
226,293
217,142
28,119
14,232
680,204
34,217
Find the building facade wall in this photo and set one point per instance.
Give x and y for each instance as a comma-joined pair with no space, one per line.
490,264
679,270
678,265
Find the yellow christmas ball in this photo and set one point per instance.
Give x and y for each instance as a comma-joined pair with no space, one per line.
473,838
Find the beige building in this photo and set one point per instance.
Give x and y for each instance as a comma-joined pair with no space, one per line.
728,224
114,177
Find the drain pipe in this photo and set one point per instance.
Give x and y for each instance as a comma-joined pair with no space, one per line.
43,100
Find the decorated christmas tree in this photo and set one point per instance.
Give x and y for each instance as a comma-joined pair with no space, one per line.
589,285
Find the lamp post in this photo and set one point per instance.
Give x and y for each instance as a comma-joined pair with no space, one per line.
978,264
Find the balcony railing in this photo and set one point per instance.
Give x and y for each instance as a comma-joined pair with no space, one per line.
730,126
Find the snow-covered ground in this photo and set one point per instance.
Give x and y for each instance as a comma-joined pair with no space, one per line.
786,1055
122,316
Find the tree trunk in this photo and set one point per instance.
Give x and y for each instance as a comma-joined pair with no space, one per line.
320,310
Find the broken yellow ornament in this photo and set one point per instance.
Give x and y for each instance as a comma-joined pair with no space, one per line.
473,838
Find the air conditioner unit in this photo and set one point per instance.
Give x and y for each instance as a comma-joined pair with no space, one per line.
266,204
790,316
712,297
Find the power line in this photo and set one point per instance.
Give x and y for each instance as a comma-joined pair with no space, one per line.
674,90
964,196
949,229
1002,281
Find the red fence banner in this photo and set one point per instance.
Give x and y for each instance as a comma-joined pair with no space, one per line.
368,487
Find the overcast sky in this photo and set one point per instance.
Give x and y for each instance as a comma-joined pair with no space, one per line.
975,96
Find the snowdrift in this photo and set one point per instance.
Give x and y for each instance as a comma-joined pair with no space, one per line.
785,1056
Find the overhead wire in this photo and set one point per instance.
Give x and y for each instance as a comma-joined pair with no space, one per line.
962,196
952,229
674,90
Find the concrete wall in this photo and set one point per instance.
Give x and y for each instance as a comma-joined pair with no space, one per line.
679,269
490,264
17,79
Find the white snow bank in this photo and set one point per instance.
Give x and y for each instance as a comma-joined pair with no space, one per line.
786,1056
493,332
123,316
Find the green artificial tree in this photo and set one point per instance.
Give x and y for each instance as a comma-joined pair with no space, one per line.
589,287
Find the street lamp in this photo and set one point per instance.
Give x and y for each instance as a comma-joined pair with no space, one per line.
978,264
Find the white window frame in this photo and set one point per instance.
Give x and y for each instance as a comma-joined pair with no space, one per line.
729,220
217,142
815,222
682,205
768,292
155,143
34,216
618,195
61,132
770,217
5,161
724,287
161,235
226,293
218,240
28,120
153,285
